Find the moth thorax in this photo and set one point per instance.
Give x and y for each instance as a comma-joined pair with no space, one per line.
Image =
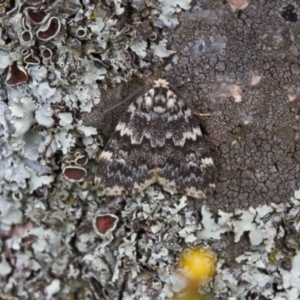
163,102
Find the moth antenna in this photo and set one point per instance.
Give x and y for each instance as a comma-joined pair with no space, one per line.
201,115
139,91
183,82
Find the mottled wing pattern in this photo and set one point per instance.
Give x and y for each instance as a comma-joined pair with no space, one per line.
126,165
157,139
184,161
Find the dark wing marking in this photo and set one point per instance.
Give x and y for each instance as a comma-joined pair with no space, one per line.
126,165
184,162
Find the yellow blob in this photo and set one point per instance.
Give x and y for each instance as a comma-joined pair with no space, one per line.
198,264
71,201
94,15
272,256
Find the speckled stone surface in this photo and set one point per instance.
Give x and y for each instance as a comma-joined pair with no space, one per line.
255,140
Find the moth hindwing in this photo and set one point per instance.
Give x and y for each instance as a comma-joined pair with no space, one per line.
158,139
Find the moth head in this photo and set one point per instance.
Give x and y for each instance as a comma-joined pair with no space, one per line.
160,98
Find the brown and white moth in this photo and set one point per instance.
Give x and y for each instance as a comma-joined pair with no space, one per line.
158,139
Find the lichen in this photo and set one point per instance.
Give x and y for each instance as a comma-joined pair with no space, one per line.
58,60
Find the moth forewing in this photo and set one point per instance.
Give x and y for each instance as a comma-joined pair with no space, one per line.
158,139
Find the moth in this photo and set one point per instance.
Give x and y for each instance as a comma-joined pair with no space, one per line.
158,139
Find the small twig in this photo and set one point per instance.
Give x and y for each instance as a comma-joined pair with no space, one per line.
202,115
